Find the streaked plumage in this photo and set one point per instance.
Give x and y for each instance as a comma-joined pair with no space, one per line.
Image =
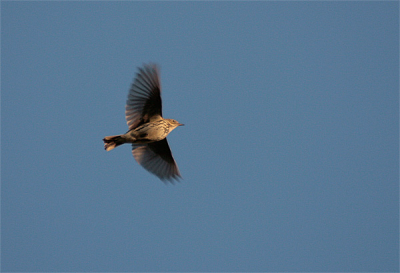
147,128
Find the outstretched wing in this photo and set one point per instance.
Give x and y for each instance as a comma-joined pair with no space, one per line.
156,157
144,98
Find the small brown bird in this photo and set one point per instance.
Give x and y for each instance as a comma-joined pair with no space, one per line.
147,128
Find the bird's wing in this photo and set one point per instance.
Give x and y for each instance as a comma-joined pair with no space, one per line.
156,157
144,98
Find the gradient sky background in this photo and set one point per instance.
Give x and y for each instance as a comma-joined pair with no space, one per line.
289,154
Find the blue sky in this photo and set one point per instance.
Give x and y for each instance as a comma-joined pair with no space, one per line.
289,154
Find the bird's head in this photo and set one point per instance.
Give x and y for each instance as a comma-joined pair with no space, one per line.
173,123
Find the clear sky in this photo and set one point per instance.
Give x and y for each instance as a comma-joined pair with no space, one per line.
289,154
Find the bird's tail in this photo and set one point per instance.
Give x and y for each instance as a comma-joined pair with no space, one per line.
110,142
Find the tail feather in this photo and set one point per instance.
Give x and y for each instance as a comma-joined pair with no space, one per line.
110,142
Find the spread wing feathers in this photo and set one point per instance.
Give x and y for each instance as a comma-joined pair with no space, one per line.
156,157
144,98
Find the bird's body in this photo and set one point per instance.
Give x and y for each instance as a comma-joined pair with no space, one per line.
152,131
146,133
147,128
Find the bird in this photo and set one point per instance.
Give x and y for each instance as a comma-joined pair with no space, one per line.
147,128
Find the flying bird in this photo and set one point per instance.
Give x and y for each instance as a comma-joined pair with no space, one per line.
147,128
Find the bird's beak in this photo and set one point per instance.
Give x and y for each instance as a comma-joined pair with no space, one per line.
180,124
